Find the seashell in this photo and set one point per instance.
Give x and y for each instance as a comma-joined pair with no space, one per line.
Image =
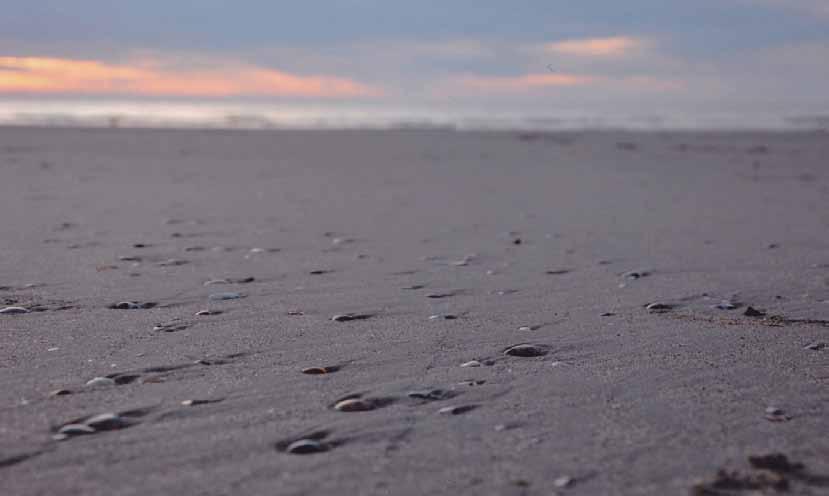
202,313
226,296
131,305
456,410
100,382
306,447
432,394
13,310
198,402
636,274
659,307
471,363
173,262
563,481
320,370
170,327
75,430
351,316
354,405
775,414
471,383
441,295
753,312
526,350
105,421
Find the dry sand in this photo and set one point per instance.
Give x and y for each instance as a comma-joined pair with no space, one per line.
523,237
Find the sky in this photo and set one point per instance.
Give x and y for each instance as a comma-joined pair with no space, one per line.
621,55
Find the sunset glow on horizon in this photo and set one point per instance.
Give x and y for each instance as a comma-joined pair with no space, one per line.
44,75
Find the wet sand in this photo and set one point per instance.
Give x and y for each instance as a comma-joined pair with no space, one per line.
555,240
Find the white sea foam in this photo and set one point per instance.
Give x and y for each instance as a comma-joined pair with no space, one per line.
269,115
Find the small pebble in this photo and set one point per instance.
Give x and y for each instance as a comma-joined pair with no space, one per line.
60,392
295,313
226,296
216,281
817,346
726,305
319,272
607,314
456,410
306,447
100,382
13,310
526,350
131,258
196,402
471,363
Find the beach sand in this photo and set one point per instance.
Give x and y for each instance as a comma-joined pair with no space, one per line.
556,240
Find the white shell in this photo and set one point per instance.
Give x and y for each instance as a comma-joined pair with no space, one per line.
100,381
13,310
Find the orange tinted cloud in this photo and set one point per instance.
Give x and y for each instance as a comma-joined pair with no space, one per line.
71,76
595,47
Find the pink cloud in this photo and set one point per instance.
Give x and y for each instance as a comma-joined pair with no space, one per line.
527,81
596,47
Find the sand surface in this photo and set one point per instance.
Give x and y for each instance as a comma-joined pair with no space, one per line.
524,238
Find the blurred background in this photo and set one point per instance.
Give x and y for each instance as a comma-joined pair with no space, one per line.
540,64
